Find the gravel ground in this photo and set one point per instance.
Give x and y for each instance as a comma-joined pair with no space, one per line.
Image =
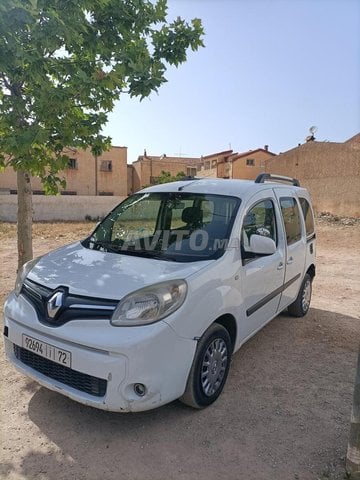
284,413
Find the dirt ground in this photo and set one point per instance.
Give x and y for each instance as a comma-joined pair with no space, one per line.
284,413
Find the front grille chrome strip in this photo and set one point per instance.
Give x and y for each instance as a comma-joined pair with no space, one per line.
91,307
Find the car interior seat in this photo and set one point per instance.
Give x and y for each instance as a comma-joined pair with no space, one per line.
192,217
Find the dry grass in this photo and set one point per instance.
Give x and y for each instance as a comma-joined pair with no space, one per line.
67,230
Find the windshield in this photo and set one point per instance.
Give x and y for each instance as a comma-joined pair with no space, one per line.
177,226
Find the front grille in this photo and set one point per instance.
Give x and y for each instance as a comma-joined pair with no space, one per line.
74,307
80,381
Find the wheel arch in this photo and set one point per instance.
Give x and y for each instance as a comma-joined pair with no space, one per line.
228,321
311,271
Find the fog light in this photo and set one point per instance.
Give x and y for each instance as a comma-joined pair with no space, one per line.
139,389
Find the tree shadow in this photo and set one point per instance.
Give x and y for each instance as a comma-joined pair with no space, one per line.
284,412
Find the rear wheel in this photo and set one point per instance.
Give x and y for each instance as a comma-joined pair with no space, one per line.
302,303
209,369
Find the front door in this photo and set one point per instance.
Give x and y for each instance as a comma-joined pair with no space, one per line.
262,276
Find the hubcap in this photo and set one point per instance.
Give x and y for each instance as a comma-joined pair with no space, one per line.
306,297
214,366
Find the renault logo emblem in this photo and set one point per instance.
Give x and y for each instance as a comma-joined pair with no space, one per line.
54,304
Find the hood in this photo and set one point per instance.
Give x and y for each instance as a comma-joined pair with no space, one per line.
103,274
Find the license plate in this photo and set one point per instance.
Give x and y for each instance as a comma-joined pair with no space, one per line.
58,355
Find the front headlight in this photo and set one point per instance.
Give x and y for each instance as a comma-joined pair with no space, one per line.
150,304
23,273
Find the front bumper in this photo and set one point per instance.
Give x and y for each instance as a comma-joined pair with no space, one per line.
153,355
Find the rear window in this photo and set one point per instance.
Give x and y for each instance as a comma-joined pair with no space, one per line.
308,217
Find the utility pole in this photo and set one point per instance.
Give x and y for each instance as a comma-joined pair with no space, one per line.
353,451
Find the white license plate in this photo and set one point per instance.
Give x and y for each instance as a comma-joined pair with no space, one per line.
46,350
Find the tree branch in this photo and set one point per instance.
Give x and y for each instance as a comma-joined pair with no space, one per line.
7,84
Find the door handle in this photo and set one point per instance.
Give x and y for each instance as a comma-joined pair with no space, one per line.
280,266
290,261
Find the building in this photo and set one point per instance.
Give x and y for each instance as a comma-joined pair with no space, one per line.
330,171
84,175
147,168
249,164
210,165
229,164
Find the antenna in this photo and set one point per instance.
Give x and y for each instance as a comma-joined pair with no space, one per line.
180,153
311,137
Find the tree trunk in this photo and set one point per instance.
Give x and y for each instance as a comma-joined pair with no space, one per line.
353,452
24,218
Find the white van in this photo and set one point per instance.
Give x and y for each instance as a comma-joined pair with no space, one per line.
151,306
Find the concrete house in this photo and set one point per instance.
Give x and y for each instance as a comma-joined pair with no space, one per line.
249,164
147,168
84,175
230,164
210,165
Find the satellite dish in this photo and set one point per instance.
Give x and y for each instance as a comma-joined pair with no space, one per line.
313,130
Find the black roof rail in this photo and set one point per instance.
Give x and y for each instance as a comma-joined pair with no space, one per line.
187,178
263,177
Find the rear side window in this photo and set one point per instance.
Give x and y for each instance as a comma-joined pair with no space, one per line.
291,215
308,216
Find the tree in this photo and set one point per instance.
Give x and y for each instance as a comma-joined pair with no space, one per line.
63,64
166,177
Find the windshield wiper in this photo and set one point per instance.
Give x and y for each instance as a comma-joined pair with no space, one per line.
142,252
126,250
109,246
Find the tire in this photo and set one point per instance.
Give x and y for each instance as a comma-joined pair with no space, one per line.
206,382
302,303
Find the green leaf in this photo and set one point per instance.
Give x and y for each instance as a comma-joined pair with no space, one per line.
63,64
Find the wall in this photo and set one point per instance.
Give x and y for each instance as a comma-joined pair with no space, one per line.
52,207
331,172
228,164
85,179
248,172
207,172
147,167
216,165
130,179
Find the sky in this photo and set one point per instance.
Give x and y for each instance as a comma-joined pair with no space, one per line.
269,71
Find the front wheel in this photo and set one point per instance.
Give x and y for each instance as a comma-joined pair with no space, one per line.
209,369
302,303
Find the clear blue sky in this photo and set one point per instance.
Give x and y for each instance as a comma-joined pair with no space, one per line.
270,70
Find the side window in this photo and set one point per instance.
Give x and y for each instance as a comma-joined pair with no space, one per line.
207,206
291,215
308,216
259,220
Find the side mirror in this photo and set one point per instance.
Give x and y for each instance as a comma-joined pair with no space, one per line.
260,245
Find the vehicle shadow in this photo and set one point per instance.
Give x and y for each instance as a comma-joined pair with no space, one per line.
284,413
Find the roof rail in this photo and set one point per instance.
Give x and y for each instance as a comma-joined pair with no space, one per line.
187,178
263,177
